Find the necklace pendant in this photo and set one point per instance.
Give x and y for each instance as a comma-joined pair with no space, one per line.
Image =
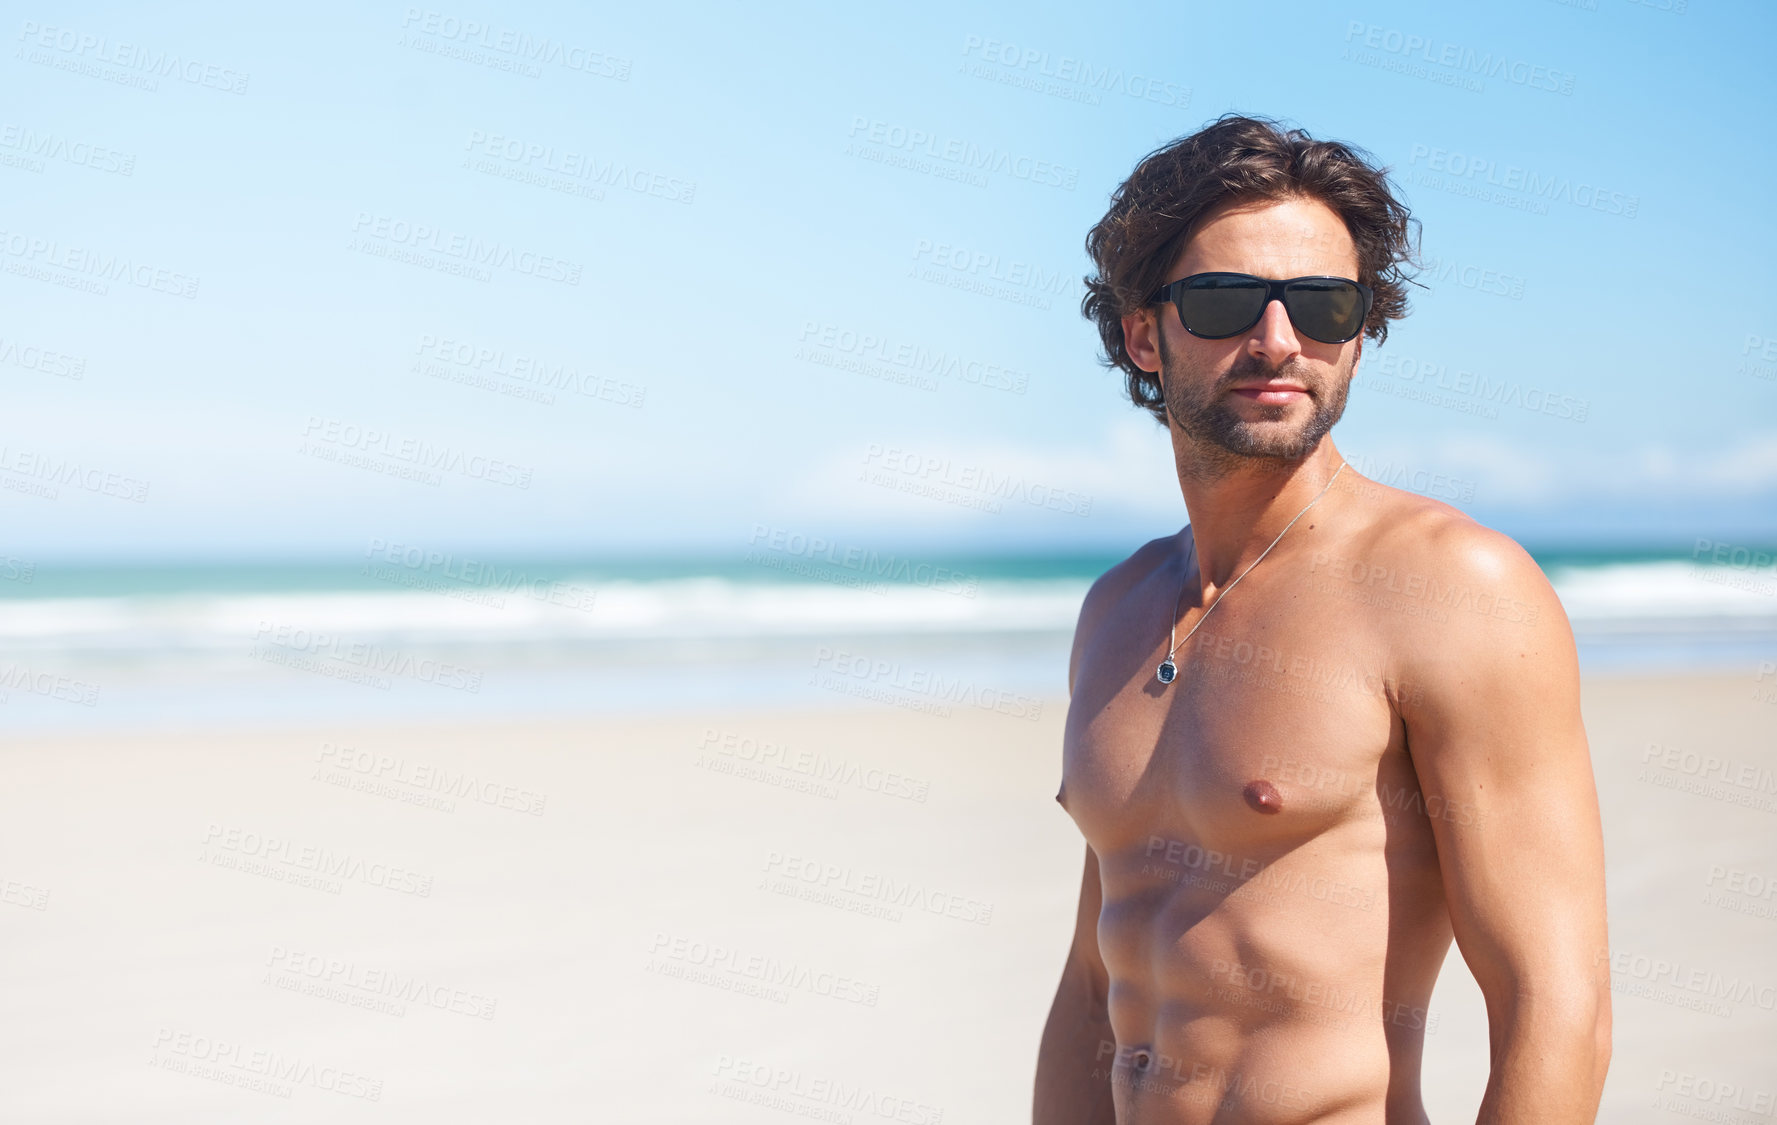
1167,672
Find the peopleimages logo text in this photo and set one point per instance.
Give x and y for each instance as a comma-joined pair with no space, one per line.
1510,177
963,153
1486,64
424,238
516,44
86,47
1066,68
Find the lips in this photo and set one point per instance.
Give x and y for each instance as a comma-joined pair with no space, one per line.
1272,392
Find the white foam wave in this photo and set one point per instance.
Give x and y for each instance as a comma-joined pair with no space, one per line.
1657,595
1668,592
665,610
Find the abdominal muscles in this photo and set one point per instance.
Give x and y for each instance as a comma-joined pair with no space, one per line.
1265,989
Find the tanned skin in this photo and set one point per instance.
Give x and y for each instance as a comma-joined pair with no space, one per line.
1372,747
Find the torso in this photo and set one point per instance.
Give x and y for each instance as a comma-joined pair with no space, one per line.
1273,917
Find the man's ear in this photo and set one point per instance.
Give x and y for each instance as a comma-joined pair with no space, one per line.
1141,331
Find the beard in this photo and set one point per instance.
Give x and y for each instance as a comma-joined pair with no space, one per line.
1198,404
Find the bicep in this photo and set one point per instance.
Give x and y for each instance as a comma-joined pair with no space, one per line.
1496,738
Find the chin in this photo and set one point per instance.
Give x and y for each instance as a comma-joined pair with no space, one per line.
1287,443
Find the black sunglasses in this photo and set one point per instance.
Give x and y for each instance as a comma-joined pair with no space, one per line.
1215,306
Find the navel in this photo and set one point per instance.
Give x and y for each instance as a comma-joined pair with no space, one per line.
1263,796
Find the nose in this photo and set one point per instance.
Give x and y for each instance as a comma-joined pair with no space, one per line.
1273,339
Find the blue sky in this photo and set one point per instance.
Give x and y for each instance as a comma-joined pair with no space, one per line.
749,256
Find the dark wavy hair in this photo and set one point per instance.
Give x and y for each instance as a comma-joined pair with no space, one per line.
1156,210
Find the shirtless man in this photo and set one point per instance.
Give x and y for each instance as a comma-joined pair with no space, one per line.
1374,746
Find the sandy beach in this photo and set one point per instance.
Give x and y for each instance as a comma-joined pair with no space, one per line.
542,545
724,917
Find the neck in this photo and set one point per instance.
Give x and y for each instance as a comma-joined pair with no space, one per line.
1238,509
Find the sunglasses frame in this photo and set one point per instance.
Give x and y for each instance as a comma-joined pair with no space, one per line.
1274,291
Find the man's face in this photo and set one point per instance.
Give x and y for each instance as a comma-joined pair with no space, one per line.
1269,393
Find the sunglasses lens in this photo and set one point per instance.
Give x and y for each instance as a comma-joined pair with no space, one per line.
1221,305
1329,310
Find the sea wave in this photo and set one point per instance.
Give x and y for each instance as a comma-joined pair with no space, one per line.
246,649
681,609
1664,597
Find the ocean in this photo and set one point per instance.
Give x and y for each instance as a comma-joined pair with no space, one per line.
398,635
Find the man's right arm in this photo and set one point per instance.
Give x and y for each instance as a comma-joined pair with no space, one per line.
1074,1062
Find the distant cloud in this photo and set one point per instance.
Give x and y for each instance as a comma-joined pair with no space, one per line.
1512,474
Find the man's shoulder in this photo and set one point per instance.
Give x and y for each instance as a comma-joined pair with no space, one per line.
1459,586
1111,586
1436,539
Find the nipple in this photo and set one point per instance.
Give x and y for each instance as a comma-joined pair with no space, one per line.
1263,796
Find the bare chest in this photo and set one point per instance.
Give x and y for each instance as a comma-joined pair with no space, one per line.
1278,727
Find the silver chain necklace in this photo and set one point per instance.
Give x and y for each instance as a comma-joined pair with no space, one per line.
1168,671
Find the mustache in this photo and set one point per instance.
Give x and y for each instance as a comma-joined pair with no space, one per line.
1249,369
